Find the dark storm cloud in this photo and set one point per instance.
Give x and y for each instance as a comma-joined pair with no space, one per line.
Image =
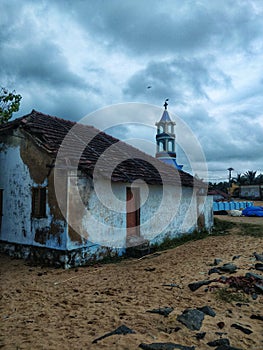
180,78
150,27
41,63
67,58
232,140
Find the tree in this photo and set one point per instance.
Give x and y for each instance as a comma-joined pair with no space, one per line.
9,104
222,186
250,177
239,179
259,179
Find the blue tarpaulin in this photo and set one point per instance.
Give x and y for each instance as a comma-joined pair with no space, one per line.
253,211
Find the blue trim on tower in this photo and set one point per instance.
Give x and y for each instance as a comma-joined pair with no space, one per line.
172,162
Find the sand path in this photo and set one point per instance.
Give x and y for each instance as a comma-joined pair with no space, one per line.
44,308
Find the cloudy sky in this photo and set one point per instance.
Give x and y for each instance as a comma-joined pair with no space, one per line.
70,58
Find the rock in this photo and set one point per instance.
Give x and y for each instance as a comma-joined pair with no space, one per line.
241,304
217,342
192,319
236,257
164,311
229,267
220,333
200,335
241,328
217,261
259,266
221,325
195,285
120,330
259,257
226,347
170,330
207,310
223,279
254,275
256,317
172,285
258,288
165,346
214,270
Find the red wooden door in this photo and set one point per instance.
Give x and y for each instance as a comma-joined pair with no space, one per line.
133,211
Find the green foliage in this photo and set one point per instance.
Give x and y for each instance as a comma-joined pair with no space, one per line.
250,177
222,227
9,104
251,230
228,295
221,186
169,243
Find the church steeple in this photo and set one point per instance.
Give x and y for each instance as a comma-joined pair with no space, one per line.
165,139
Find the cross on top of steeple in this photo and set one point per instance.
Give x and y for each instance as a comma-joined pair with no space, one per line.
166,104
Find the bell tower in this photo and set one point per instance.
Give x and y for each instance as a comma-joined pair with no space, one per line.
165,139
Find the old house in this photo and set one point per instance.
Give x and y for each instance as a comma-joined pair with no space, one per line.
251,191
70,194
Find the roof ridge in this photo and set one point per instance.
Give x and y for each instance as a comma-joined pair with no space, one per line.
53,134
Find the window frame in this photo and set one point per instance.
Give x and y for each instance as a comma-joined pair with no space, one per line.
39,202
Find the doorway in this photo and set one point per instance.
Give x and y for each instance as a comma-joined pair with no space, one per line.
133,212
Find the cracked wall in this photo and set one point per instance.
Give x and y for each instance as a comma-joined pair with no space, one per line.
22,167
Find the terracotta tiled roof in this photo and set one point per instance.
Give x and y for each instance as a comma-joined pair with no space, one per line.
88,146
218,192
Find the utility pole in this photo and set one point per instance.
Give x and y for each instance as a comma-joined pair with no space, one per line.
229,180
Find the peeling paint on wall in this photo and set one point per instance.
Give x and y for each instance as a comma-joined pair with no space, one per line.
97,228
19,167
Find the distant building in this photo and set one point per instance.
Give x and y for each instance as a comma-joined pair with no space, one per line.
218,195
251,191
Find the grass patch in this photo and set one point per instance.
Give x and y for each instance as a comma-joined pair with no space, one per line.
251,230
169,243
228,295
222,227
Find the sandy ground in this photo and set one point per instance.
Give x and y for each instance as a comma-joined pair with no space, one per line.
44,308
241,219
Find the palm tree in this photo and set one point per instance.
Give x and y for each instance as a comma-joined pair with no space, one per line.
259,179
250,177
239,179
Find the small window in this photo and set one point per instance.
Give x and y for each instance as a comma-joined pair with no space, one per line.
170,146
39,202
160,145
